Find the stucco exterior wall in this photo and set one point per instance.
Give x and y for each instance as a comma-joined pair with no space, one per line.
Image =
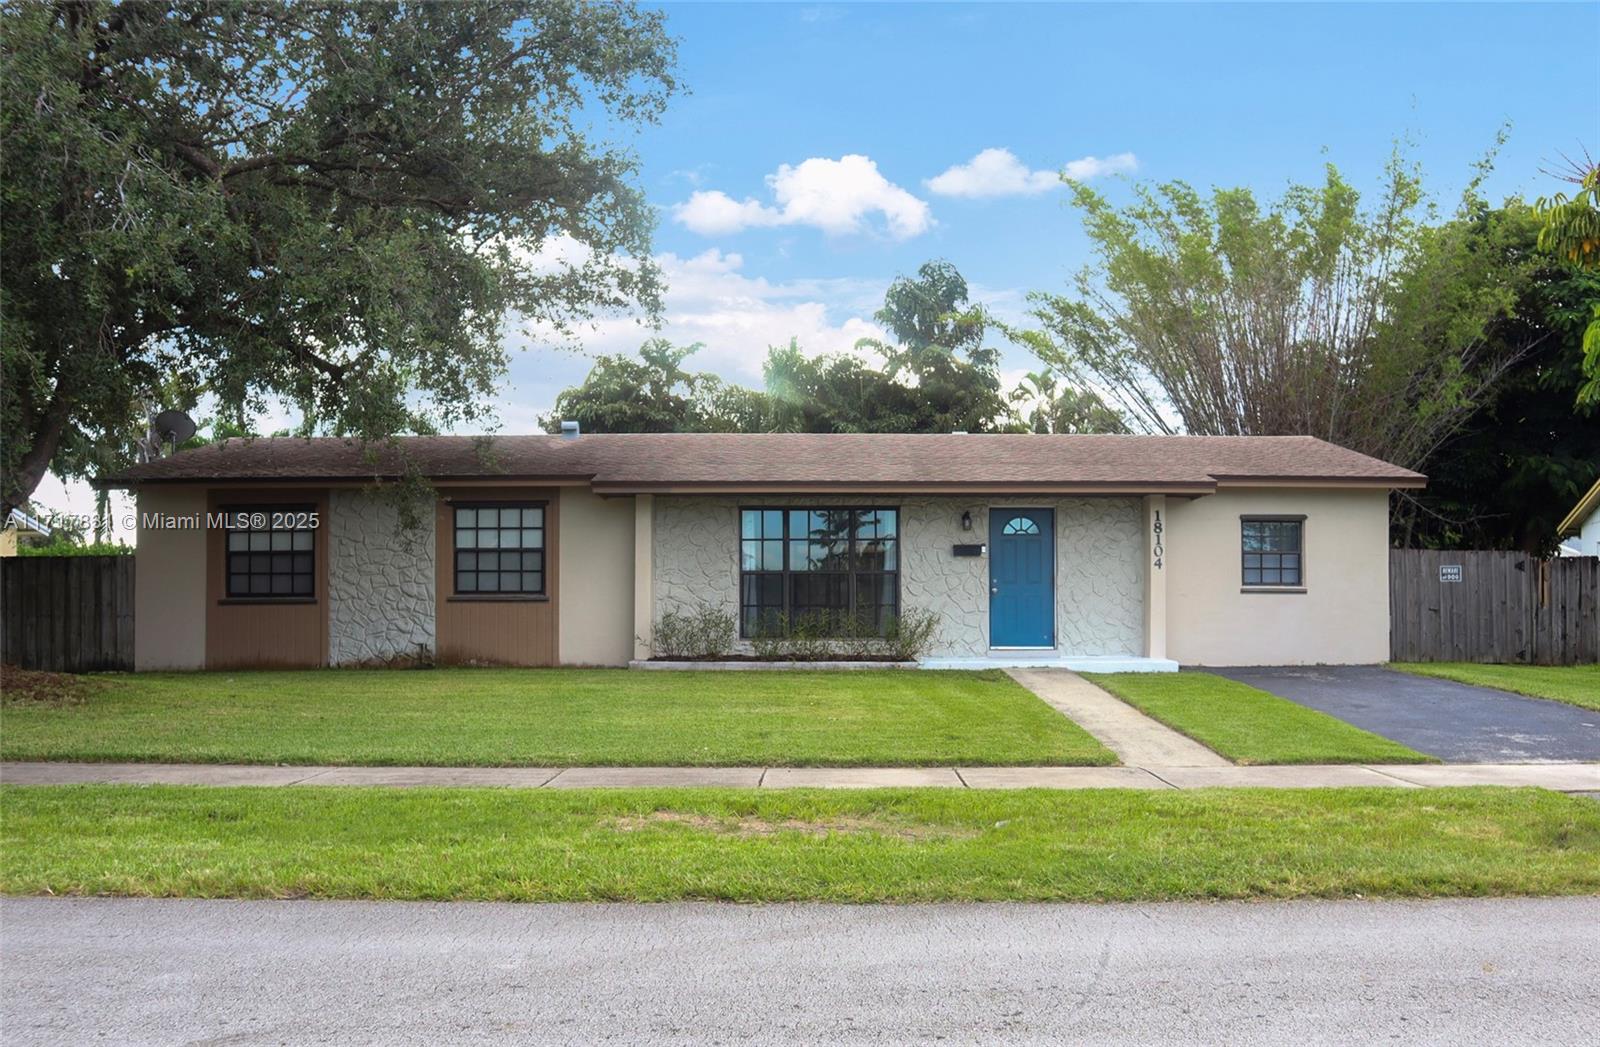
169,593
380,579
1589,536
595,624
1099,565
1341,618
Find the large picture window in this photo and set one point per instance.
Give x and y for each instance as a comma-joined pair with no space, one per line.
271,552
499,549
1272,550
818,563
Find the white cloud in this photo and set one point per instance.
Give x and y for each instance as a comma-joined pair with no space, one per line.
1088,167
837,196
710,300
998,172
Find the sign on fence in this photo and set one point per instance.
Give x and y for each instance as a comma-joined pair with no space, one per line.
1449,572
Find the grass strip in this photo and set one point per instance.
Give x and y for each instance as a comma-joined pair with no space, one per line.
1573,684
1248,725
758,846
554,717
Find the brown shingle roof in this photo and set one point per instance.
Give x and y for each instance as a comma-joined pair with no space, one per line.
645,461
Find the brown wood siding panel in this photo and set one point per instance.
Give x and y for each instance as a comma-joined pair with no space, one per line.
261,635
497,632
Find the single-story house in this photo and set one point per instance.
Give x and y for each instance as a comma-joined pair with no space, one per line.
1134,552
1580,531
19,524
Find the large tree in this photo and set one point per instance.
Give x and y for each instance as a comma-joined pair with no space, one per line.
1214,314
938,346
1518,463
331,202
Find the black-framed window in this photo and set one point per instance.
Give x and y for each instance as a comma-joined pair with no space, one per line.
1272,550
825,562
499,548
271,552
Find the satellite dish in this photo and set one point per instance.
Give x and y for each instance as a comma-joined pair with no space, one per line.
173,427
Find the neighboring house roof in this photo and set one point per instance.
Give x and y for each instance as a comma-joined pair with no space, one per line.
795,461
1580,513
26,524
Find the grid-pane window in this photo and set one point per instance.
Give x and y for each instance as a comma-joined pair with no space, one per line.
823,562
1272,551
271,553
499,549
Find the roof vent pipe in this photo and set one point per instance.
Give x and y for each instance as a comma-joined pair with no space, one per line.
569,430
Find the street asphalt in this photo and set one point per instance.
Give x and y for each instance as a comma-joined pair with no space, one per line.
167,971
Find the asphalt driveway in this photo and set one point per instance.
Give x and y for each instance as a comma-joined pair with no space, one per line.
1454,721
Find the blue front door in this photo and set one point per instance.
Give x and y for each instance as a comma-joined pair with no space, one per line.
1022,570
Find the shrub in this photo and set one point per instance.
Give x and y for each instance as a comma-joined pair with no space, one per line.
705,633
911,634
816,637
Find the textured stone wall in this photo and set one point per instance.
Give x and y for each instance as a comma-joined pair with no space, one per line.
380,579
1099,565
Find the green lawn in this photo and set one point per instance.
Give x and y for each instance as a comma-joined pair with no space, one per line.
1248,725
749,845
554,717
1574,684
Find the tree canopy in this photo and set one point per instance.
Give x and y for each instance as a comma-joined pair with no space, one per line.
937,375
334,202
1216,315
1525,456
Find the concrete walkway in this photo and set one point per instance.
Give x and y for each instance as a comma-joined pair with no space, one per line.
1568,777
1137,740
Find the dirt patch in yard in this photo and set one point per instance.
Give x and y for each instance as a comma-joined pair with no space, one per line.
749,826
29,687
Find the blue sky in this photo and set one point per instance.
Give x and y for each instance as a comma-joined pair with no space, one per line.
1255,95
1252,95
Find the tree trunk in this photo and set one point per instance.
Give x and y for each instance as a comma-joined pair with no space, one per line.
36,462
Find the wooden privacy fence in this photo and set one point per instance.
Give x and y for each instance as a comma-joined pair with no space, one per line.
1487,606
67,613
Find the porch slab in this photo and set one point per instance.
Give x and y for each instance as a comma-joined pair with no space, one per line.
656,777
1088,663
860,777
1291,776
1137,739
1060,778
663,665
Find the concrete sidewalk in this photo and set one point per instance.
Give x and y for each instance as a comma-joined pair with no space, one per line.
1568,777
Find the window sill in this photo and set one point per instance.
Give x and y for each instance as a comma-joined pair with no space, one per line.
237,600
493,598
1272,589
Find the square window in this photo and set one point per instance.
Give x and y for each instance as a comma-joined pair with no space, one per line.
1270,552
502,552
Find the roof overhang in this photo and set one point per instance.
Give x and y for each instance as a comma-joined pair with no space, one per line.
1586,507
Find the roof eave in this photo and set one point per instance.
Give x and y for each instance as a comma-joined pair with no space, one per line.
1573,523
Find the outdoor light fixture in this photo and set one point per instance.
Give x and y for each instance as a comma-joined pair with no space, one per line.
966,520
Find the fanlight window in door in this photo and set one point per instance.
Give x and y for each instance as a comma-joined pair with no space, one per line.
1020,525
